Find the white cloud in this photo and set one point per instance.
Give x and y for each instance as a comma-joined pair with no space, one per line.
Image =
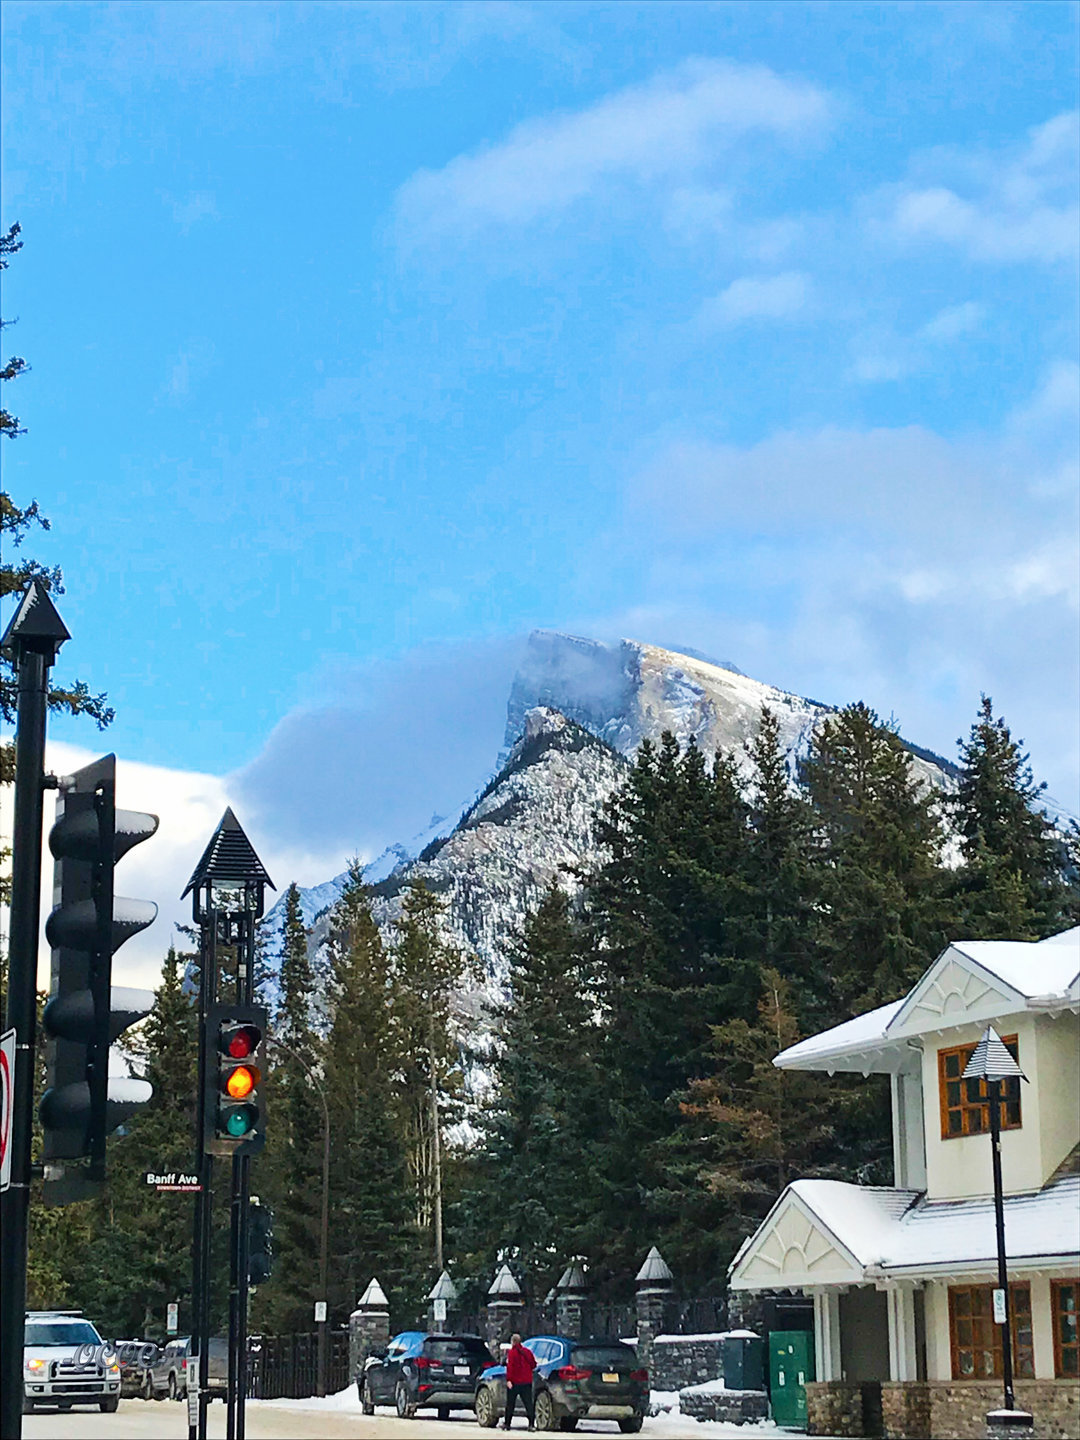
775,297
1019,206
668,126
953,322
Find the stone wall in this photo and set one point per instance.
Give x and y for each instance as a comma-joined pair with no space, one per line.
736,1407
680,1360
956,1409
843,1407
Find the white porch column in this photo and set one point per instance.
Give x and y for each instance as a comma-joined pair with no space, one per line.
827,1335
903,1361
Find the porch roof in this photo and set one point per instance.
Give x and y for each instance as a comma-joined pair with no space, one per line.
854,1234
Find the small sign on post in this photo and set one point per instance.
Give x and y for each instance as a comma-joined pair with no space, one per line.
320,1312
172,1317
999,1306
439,1308
7,1104
191,1367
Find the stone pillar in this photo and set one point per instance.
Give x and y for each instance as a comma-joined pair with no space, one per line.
369,1325
504,1308
654,1291
441,1302
571,1300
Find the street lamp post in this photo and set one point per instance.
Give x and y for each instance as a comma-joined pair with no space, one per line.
228,889
992,1063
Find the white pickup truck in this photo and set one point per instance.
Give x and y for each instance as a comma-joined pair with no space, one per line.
66,1363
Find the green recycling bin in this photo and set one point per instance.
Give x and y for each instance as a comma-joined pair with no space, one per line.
791,1364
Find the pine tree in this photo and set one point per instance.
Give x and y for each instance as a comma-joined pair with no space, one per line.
765,1126
427,971
291,1167
878,877
532,1194
369,1189
1010,885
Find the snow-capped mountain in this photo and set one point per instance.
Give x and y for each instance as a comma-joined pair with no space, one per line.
578,710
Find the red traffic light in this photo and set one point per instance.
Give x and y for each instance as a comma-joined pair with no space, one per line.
240,1041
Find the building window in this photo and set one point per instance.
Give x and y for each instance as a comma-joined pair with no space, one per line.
1064,1295
965,1104
976,1340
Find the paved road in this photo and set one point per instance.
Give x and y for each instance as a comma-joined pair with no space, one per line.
149,1420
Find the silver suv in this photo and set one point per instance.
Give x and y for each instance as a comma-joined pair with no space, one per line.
66,1362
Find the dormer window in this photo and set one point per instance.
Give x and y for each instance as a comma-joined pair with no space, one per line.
965,1104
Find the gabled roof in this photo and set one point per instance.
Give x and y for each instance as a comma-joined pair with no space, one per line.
970,981
829,1232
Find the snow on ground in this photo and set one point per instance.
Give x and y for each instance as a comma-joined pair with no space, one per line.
667,1422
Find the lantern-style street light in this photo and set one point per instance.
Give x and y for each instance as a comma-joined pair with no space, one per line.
992,1063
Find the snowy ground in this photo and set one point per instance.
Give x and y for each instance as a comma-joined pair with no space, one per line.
667,1422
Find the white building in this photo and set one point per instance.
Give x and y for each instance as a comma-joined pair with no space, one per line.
901,1277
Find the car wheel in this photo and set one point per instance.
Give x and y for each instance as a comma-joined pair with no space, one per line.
27,1406
367,1400
443,1412
109,1407
147,1388
174,1394
631,1425
487,1412
406,1408
545,1412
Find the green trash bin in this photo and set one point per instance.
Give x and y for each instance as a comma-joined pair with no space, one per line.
791,1364
743,1358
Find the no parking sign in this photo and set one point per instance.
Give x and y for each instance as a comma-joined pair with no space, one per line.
7,1104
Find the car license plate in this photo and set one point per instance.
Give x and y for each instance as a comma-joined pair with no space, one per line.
611,1376
461,1369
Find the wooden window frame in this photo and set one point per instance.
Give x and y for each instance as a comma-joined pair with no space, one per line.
1011,1114
1061,1346
1023,1355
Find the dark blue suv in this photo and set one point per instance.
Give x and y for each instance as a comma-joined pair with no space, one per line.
574,1380
421,1370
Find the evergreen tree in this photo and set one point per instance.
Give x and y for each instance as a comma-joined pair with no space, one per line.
766,1126
427,971
1010,884
877,872
292,1163
369,1191
533,1193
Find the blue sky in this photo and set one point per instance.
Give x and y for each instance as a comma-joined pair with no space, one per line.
367,338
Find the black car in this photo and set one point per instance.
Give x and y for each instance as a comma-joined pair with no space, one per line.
422,1371
574,1380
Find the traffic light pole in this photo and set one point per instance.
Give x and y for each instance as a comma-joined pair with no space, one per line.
33,670
200,1249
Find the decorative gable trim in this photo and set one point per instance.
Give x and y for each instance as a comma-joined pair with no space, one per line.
793,1249
956,990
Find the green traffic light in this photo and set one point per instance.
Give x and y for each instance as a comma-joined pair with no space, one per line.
239,1122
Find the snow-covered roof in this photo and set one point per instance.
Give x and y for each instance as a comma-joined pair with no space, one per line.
858,1044
970,980
374,1297
876,1232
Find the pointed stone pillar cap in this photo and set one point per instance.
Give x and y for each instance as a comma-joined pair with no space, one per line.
573,1277
504,1286
655,1270
443,1289
373,1298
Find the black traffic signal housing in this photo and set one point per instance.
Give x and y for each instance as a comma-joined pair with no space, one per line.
85,1012
260,1242
234,1101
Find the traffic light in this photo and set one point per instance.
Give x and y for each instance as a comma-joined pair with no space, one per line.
260,1242
233,1102
82,1104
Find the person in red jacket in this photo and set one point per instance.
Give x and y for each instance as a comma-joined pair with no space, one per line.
520,1364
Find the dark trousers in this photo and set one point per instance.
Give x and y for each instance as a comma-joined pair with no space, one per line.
512,1393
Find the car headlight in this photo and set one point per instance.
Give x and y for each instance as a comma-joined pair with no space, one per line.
35,1365
114,1369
